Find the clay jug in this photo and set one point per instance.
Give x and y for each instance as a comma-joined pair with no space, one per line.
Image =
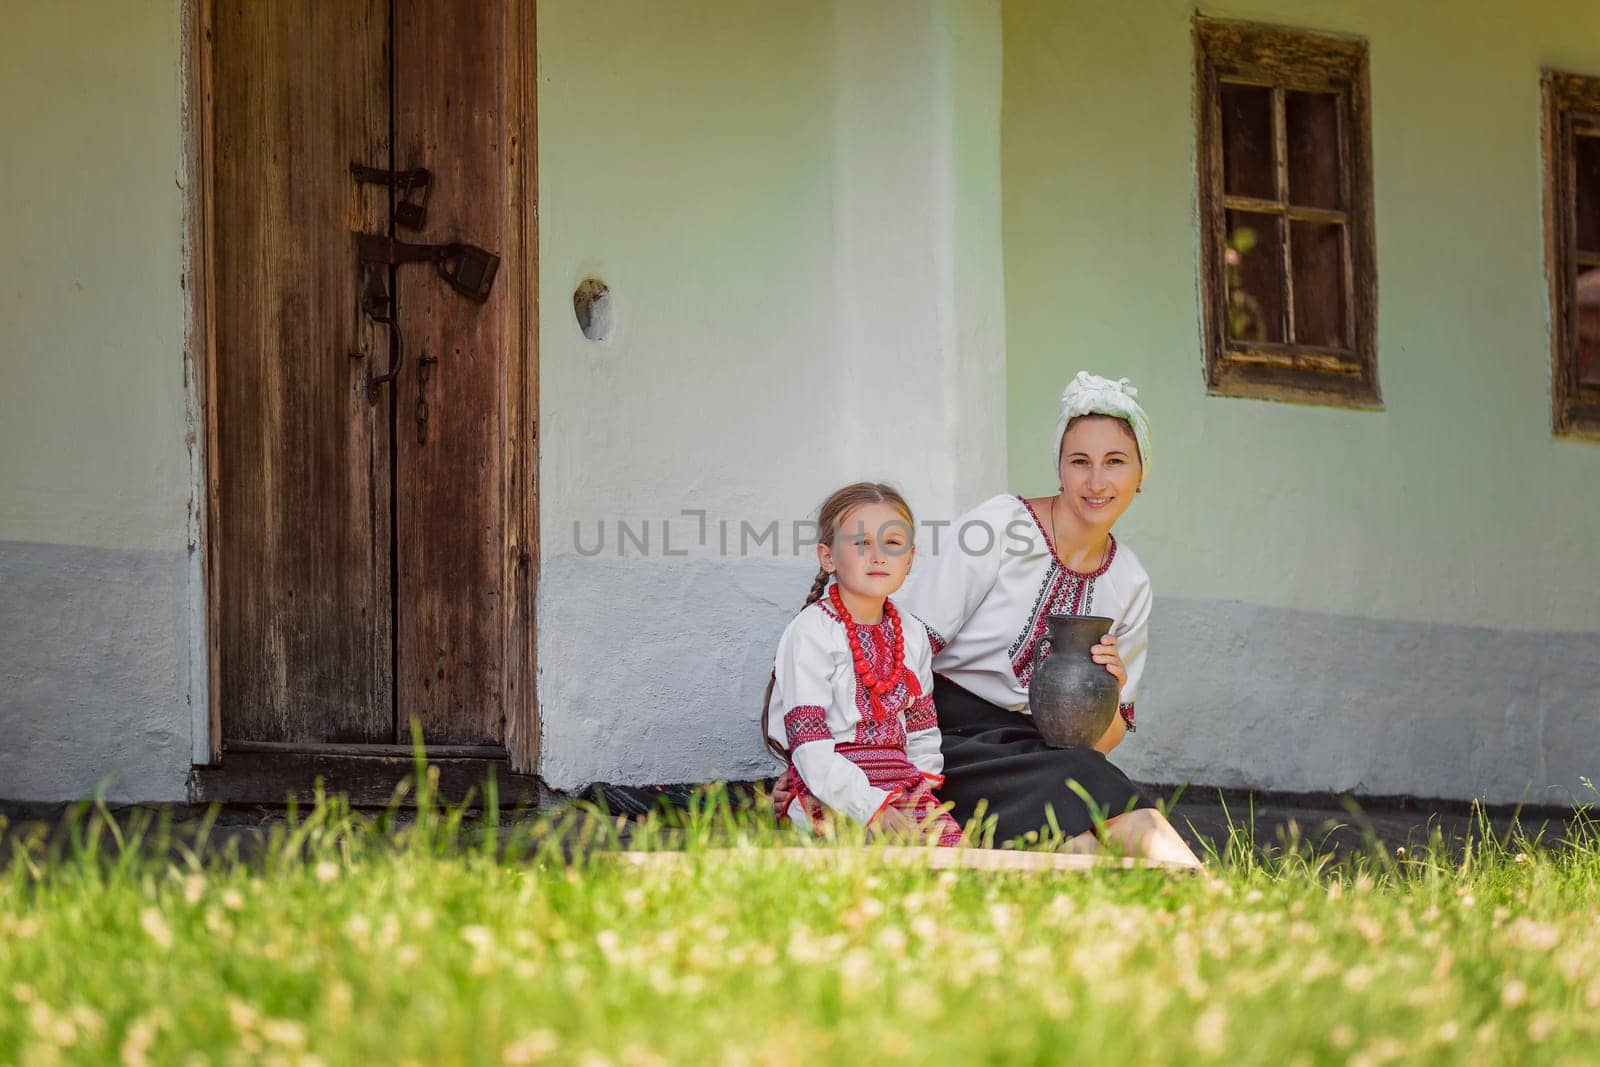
1072,697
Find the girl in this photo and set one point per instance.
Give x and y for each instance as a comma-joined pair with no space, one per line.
850,706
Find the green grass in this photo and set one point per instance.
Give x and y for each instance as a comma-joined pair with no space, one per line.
354,939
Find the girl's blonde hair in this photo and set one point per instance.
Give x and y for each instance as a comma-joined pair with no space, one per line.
830,518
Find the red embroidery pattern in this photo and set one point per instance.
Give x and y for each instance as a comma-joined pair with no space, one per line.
878,651
1127,715
922,716
806,723
1063,592
881,733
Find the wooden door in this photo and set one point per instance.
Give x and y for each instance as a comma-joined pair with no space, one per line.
370,559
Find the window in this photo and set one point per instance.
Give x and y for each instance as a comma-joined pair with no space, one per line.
1572,244
1285,174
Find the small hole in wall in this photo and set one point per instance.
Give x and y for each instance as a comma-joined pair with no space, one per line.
591,303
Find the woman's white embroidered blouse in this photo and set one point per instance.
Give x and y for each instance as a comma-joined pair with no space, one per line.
987,594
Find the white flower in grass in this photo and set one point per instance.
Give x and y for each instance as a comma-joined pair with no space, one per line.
1357,978
136,1042
358,929
285,1032
481,938
892,940
194,887
156,927
22,929
1211,1031
858,971
341,998
241,1014
533,1047
23,992
232,899
1380,1051
87,1019
63,1032
1422,995
1514,994
1541,1026
1447,1032
326,871
216,924
1532,935
610,943
639,1056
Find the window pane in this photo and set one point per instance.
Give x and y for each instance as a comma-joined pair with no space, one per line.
1254,267
1318,254
1589,326
1588,190
1313,142
1247,141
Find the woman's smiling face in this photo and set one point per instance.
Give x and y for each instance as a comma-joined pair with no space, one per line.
1100,469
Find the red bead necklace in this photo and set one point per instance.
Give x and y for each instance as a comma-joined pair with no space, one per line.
869,679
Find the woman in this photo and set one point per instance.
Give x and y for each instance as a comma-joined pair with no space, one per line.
985,601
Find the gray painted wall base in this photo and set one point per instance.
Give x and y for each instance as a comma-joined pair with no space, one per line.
93,673
1264,698
653,671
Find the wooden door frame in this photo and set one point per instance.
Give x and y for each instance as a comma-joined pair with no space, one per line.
520,485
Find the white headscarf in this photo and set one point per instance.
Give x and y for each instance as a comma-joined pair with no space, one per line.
1090,394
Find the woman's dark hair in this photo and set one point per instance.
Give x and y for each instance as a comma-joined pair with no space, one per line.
830,517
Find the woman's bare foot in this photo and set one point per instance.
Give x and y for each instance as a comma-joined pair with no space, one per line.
1146,834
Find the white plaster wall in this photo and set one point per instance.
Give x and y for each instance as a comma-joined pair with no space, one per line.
94,471
771,192
800,304
1399,601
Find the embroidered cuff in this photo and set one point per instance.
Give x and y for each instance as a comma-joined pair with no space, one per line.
922,716
1127,715
805,723
935,780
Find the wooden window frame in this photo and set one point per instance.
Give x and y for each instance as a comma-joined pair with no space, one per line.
1570,101
1283,59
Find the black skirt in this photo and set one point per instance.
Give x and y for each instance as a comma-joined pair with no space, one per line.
995,758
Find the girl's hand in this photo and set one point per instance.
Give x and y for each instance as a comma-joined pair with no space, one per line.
1105,654
892,823
782,793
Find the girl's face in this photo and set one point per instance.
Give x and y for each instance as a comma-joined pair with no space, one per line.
1100,470
871,552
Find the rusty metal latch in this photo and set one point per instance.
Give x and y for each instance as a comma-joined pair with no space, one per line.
469,269
411,215
377,305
